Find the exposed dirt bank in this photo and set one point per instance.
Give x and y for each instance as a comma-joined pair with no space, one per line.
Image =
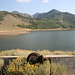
14,32
24,31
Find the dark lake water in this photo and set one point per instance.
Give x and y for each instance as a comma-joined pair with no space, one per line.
50,40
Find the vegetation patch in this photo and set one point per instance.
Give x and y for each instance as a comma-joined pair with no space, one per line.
2,14
19,66
38,24
25,53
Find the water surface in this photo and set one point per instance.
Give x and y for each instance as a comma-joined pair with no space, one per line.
50,40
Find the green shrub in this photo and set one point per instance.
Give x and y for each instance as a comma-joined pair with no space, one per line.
19,66
57,69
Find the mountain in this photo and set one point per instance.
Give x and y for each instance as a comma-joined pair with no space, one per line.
22,14
49,20
63,19
36,14
9,21
47,15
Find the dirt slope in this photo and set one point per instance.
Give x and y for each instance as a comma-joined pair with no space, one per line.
10,22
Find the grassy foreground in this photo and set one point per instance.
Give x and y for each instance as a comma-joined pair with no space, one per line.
19,66
25,53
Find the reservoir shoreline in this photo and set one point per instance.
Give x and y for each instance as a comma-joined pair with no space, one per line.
26,31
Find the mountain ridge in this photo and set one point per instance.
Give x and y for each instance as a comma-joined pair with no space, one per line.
22,14
64,18
48,20
9,21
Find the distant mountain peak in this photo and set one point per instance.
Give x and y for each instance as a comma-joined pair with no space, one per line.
15,12
54,11
22,14
36,14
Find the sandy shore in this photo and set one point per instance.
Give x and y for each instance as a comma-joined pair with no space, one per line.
24,31
14,32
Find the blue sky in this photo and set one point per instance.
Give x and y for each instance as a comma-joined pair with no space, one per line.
34,6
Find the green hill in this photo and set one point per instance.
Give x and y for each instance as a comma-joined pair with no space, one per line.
62,19
21,14
50,20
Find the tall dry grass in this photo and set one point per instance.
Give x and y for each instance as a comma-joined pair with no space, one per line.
25,53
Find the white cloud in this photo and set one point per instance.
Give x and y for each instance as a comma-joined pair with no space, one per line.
45,1
23,0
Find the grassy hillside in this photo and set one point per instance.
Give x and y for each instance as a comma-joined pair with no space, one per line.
2,14
41,24
63,19
50,20
22,14
8,21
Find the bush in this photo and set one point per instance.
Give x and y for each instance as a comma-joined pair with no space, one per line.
57,69
20,67
1,64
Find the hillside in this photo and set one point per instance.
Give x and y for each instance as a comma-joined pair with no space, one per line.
49,20
22,14
63,19
9,21
52,20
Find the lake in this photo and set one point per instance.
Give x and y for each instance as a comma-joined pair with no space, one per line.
49,40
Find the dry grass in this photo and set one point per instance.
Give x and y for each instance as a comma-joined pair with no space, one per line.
1,63
17,52
25,53
10,22
56,69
